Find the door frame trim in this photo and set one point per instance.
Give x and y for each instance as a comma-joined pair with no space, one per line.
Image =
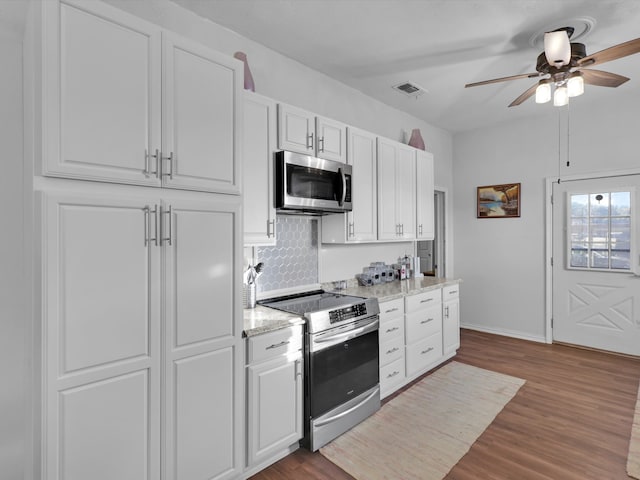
548,193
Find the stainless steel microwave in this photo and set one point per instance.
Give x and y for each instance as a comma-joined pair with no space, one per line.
305,184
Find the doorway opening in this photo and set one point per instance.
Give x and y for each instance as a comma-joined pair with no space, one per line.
432,252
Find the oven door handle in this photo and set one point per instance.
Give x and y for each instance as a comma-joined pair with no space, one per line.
356,332
346,412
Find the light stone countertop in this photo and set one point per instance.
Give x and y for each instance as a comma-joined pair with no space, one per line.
398,288
264,319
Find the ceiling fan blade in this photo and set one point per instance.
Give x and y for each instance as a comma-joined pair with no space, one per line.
611,53
602,79
504,79
524,96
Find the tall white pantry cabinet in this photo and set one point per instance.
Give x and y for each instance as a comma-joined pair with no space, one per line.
132,210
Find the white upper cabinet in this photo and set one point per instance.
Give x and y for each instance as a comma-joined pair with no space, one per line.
396,191
301,131
258,146
424,195
113,113
201,93
361,224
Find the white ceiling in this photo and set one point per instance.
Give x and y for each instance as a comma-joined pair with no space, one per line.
439,45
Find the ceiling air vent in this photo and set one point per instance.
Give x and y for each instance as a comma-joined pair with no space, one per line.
410,89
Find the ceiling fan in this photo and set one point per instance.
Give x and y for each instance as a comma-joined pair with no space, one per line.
563,64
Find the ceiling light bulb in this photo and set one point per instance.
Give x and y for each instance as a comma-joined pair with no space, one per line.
557,48
575,86
543,93
560,97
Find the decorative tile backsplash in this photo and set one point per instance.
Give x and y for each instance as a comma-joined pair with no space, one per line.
293,262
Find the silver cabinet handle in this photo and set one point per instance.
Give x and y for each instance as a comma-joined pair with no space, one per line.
422,322
277,345
446,311
168,239
271,228
426,300
298,368
147,225
391,310
426,351
147,163
402,229
391,375
310,140
321,144
394,349
420,229
389,330
350,230
170,158
453,292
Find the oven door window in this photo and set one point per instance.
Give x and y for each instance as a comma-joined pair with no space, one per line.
306,182
342,372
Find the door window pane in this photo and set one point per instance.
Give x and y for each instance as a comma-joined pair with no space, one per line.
600,227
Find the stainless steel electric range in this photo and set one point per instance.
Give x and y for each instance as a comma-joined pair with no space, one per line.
341,360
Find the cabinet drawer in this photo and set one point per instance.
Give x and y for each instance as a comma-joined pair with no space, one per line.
450,291
391,329
273,344
422,354
423,300
391,350
423,323
391,309
391,375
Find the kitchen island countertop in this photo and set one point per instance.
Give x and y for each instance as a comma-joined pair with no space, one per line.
398,288
264,319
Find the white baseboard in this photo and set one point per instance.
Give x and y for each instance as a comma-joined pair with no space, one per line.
505,333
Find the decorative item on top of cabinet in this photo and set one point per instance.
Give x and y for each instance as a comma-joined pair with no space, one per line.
416,140
259,144
248,77
360,224
303,132
126,102
396,191
274,394
425,196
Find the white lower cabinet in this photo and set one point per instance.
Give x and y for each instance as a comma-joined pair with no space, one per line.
417,333
451,318
117,264
274,395
392,372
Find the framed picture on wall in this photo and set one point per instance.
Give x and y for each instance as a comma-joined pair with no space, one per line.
499,201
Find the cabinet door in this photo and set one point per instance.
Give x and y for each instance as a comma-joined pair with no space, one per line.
451,326
424,195
362,221
259,145
101,94
201,117
275,406
101,337
406,192
203,327
331,141
296,130
388,226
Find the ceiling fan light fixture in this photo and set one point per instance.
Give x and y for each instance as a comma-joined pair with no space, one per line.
575,85
560,96
557,48
543,92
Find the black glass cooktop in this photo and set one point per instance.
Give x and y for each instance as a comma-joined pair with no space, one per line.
311,302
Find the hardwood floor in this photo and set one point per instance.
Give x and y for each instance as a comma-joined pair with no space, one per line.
571,420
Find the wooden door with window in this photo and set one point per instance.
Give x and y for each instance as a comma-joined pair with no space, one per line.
596,287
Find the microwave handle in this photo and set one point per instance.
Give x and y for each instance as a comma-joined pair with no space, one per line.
344,187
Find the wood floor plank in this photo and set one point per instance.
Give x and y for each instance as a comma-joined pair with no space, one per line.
570,421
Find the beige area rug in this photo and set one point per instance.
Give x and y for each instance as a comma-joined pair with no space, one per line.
423,432
633,459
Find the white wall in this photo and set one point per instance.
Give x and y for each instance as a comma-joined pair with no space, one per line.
288,81
502,260
12,311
